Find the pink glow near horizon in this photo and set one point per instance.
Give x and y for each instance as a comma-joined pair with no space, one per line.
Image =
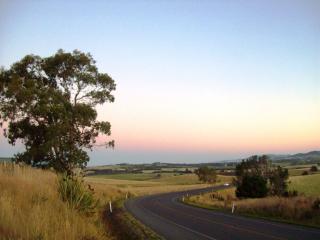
271,125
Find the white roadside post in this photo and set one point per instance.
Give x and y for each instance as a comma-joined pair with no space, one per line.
127,195
232,208
110,206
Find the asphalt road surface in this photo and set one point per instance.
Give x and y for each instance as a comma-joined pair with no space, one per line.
174,220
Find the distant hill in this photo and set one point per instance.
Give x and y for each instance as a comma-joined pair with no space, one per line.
309,157
312,154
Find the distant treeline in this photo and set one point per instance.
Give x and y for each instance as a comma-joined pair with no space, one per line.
92,172
5,159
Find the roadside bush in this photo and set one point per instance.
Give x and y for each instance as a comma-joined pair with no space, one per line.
305,173
314,169
78,196
293,193
256,178
252,187
316,204
278,181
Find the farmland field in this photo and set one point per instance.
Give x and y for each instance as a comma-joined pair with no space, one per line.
146,183
308,184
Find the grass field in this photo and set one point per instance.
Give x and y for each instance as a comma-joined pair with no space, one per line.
148,183
129,176
307,184
30,208
174,178
139,187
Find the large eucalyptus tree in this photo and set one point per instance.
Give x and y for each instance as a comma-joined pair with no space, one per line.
49,105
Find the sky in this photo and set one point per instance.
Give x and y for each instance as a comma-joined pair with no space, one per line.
197,81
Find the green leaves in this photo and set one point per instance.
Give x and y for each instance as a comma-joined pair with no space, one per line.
206,174
78,196
256,178
50,105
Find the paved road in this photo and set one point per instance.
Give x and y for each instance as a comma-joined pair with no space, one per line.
174,220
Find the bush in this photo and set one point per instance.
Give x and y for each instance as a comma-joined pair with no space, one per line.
252,187
278,181
314,169
316,204
78,196
206,174
293,193
305,173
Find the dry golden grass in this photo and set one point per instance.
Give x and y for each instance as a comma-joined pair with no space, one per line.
30,208
218,199
137,188
300,209
164,184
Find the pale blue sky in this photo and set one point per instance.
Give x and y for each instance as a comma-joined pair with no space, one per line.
195,78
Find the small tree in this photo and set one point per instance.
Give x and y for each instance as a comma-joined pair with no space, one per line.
252,176
314,168
257,170
206,174
254,186
49,104
278,181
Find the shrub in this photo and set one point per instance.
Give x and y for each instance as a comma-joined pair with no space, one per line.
293,193
305,173
278,181
206,174
314,169
252,187
78,196
316,204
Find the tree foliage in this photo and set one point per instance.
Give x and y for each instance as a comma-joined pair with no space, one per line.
314,168
278,181
252,186
49,105
206,174
257,178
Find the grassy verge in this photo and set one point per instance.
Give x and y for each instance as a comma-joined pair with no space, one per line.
31,208
124,226
244,214
300,210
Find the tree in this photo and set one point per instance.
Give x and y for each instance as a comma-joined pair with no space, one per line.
206,174
252,175
49,105
314,168
257,170
254,165
278,181
252,186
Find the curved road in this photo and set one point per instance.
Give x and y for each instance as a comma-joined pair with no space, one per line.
174,220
